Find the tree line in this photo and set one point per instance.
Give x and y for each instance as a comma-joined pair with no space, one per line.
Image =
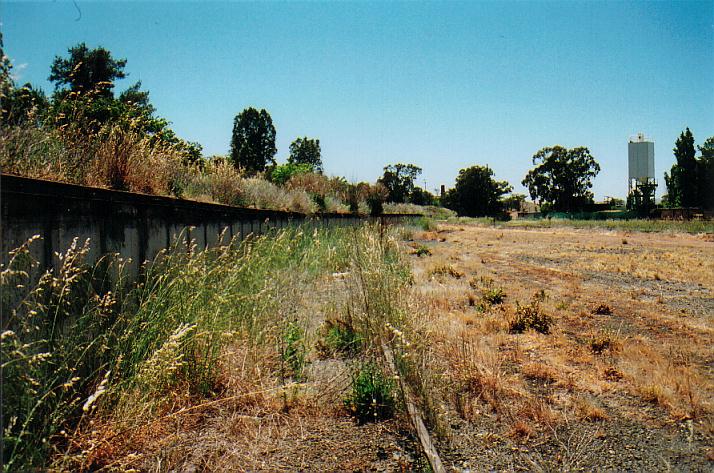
561,179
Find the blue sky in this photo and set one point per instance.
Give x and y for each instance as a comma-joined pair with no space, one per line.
444,85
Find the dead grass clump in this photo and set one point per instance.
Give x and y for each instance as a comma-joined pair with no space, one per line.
668,381
602,309
521,430
540,372
587,410
612,374
478,370
538,411
223,183
443,270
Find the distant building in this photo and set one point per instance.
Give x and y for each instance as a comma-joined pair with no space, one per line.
641,183
640,160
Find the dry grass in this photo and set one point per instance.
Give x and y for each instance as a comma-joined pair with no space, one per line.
626,321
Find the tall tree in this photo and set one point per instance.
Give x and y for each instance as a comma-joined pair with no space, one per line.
477,193
18,105
306,151
562,178
682,185
87,69
399,179
6,81
253,141
706,174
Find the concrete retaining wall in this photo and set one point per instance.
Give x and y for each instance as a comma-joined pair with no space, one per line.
136,226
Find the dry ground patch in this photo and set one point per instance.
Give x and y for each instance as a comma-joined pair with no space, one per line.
564,348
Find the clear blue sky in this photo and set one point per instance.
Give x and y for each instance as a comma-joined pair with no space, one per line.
443,85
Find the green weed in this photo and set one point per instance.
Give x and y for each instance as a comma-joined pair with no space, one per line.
372,394
293,350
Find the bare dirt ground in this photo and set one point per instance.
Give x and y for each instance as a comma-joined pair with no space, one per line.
622,381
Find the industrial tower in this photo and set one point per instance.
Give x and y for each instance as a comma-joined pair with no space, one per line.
641,183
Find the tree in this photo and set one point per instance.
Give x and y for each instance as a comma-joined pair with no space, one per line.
282,174
23,105
642,198
514,202
18,105
477,193
306,151
87,69
421,196
399,179
253,141
706,174
563,178
682,185
6,82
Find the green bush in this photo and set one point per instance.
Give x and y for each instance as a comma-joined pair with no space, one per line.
493,295
530,317
282,174
372,396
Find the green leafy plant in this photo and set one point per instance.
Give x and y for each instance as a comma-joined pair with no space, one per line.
293,350
372,395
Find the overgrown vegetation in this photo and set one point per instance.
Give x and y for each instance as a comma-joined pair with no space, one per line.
86,354
81,342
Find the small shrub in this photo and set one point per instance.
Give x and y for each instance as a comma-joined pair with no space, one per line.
530,317
493,296
422,250
372,396
562,305
540,296
600,344
602,309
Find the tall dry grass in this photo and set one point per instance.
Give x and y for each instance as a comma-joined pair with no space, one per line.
82,348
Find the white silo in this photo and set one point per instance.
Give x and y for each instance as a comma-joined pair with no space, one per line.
640,160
